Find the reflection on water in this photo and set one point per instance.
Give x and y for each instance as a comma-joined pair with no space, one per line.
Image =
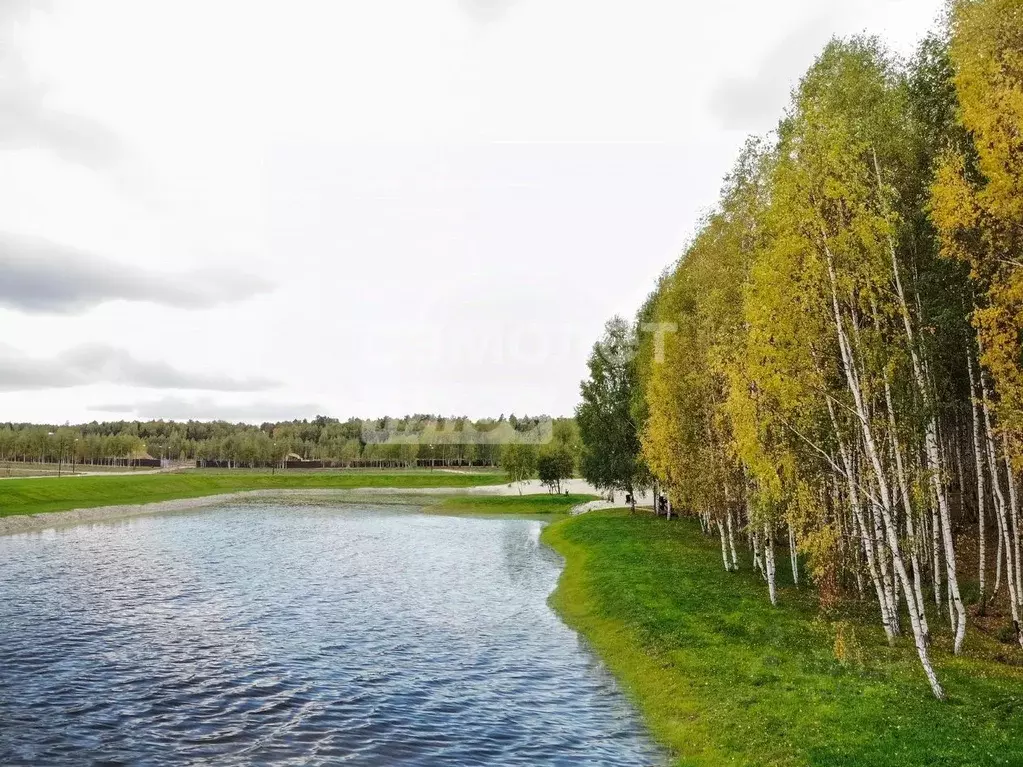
299,635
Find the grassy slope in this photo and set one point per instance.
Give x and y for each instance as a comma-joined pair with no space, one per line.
34,496
511,504
724,678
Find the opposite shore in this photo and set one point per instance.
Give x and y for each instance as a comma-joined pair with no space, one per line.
21,516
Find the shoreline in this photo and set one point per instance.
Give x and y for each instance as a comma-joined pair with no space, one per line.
33,523
16,524
722,677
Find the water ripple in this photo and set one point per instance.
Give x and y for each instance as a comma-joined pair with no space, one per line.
273,634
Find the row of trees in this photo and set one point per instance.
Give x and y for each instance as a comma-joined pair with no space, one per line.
552,462
423,439
53,444
835,363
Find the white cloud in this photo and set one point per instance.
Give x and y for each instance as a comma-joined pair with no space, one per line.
449,197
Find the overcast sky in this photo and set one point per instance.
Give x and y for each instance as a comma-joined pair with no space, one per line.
256,210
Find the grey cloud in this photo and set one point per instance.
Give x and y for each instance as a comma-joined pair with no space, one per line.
485,10
98,363
38,275
206,409
27,123
27,120
753,103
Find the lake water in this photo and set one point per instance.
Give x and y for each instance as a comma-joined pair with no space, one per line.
272,634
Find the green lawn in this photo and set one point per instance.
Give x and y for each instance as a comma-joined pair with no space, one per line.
34,496
725,679
510,504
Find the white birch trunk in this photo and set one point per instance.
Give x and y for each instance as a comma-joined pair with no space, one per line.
769,562
998,562
930,443
907,505
885,506
1014,518
890,590
978,460
866,539
936,558
724,547
1005,542
731,542
948,543
758,563
794,556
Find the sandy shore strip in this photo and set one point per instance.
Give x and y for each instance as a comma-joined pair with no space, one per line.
27,523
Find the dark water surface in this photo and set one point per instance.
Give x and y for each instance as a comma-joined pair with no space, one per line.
271,634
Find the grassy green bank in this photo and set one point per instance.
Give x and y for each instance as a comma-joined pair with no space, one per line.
35,496
510,504
725,679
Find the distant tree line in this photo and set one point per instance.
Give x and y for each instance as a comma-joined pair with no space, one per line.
408,441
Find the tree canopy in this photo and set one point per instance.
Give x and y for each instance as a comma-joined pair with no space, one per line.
844,375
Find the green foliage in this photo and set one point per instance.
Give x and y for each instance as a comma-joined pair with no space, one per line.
518,460
689,440
555,464
977,195
610,455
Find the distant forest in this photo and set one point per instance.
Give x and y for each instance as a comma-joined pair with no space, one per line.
408,441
